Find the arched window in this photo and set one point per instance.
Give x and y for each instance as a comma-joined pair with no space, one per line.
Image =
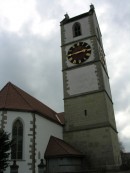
76,29
17,136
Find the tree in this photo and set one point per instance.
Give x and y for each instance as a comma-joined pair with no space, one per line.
122,148
125,158
5,146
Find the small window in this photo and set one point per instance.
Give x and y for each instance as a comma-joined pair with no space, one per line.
17,136
76,29
85,112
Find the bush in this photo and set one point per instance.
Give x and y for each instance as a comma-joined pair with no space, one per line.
5,146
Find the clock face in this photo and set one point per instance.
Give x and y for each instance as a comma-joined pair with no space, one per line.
79,53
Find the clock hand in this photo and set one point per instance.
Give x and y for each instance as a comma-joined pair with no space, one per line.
77,52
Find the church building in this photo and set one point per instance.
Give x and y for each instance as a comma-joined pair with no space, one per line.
85,134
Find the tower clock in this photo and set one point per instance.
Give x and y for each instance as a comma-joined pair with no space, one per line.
89,116
79,53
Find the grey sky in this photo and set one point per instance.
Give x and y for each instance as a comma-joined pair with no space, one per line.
30,54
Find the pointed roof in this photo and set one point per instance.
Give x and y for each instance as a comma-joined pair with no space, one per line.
14,98
59,148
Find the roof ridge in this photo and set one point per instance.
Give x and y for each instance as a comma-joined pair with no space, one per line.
16,89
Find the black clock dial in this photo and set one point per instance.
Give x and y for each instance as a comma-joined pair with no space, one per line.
79,53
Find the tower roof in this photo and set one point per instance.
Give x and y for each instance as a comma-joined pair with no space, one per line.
15,99
59,148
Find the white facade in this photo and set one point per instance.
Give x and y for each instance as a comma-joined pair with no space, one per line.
44,129
85,30
81,80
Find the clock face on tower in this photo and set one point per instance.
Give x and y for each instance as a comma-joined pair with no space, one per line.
79,53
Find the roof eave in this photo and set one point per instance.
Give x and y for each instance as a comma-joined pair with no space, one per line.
31,111
65,155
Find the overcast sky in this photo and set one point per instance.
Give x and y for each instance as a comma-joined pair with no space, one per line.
30,53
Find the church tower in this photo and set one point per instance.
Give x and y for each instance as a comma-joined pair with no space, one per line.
89,115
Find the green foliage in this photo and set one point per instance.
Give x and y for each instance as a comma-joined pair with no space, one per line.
5,146
125,161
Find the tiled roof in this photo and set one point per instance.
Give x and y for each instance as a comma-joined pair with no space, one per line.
59,148
14,98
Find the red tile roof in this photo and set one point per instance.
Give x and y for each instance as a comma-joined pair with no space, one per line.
14,98
59,148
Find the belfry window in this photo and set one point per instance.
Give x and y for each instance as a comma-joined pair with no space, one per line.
17,136
76,29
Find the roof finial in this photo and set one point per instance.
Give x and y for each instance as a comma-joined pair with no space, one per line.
66,16
91,7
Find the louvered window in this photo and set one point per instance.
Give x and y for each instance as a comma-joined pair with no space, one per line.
76,29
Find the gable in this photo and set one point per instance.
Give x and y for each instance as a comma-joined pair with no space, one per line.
15,99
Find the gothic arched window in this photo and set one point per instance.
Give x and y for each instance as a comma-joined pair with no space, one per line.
76,29
17,136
